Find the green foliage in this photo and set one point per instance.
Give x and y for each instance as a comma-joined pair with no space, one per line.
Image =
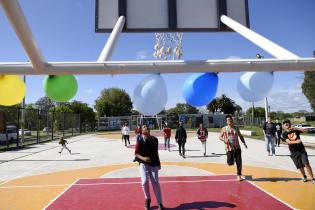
62,108
113,102
11,113
182,108
258,111
223,104
308,87
44,103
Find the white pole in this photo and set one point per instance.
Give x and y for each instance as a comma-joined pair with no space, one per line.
266,108
18,21
260,41
110,44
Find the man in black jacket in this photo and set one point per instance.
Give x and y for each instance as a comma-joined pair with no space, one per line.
180,138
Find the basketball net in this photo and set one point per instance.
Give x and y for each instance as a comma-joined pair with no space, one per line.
168,45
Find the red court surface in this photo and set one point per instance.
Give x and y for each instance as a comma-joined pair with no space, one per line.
194,192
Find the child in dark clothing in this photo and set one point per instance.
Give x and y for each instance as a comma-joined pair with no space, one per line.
63,143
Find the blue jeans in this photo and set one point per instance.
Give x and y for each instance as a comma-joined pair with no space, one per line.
270,141
152,172
167,142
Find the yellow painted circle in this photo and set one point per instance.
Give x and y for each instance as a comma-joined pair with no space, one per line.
12,90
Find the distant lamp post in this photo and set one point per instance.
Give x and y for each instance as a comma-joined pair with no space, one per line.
267,107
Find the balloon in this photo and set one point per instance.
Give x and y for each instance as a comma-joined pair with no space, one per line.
254,86
200,89
12,90
150,95
60,88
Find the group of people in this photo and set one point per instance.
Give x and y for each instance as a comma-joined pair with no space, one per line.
146,152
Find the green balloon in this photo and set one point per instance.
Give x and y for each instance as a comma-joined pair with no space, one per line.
60,88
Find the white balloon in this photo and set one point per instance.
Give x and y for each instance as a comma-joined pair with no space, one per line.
150,95
255,86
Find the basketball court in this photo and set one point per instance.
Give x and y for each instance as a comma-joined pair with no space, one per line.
201,192
100,174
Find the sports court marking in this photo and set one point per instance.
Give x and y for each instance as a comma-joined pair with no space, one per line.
185,192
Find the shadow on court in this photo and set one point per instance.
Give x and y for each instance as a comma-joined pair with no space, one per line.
272,179
201,205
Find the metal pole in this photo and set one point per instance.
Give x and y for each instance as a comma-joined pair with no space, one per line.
110,44
262,42
266,109
18,21
253,111
23,113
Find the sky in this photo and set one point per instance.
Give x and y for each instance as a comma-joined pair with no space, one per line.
65,31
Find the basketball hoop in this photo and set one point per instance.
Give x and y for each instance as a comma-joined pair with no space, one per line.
168,45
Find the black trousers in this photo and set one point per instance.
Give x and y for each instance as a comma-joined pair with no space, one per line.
235,155
278,138
126,137
181,147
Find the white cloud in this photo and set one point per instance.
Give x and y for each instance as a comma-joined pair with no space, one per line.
142,55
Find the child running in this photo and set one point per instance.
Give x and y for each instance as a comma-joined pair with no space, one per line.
63,143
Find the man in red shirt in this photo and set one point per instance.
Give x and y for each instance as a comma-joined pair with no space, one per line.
167,136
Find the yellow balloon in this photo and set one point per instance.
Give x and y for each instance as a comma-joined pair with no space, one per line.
12,90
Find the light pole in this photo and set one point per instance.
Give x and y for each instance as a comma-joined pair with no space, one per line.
23,114
266,99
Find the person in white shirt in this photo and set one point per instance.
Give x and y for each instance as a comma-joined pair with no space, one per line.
125,132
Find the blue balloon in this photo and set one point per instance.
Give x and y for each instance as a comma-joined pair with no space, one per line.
200,89
255,86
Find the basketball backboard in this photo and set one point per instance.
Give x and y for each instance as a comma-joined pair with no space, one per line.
169,15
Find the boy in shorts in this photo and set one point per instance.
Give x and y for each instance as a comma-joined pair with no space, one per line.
297,149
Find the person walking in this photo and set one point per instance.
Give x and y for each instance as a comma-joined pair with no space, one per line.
167,136
125,131
202,134
146,153
63,143
230,135
298,153
180,138
269,129
279,132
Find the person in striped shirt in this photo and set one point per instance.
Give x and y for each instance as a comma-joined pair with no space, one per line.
230,135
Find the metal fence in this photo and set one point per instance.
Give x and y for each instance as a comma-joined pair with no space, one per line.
39,126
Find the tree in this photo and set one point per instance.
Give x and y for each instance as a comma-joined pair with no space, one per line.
223,104
45,103
113,102
213,106
258,111
87,115
308,87
183,108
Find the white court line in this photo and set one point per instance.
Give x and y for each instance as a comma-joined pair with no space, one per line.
53,200
120,183
163,166
271,195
